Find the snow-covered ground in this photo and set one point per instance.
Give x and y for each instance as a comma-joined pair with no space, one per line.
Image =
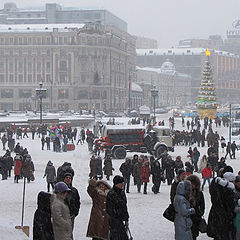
146,220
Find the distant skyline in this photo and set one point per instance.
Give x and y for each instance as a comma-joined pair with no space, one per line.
166,21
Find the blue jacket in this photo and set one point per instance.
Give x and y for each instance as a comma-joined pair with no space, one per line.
183,222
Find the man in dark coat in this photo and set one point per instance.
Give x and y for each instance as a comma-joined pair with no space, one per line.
117,210
126,170
233,149
42,224
62,170
73,198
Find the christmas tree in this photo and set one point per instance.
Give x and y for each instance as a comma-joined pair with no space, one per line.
207,103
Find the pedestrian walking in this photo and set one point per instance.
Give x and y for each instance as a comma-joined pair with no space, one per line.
50,173
126,170
206,175
145,173
108,168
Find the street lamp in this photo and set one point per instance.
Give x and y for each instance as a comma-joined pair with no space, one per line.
41,93
154,94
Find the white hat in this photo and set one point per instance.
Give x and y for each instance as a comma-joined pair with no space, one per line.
229,176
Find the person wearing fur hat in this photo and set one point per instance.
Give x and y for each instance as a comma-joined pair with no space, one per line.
73,198
197,202
98,226
117,210
221,215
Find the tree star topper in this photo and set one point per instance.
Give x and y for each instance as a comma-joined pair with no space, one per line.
208,52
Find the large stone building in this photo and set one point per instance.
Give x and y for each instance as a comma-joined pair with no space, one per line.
145,43
82,66
174,88
226,67
54,13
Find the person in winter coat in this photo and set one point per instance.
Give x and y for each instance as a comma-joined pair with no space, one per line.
170,164
134,161
228,150
206,175
182,221
28,168
198,203
61,219
202,163
126,170
213,161
116,206
47,140
221,164
4,141
17,168
221,215
223,143
145,173
99,168
43,141
98,226
189,168
93,167
196,155
42,224
137,173
157,176
233,149
50,172
163,158
178,164
62,170
73,198
108,168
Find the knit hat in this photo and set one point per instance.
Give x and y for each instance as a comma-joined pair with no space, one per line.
118,179
68,174
229,176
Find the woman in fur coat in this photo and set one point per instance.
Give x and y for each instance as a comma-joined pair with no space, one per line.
98,227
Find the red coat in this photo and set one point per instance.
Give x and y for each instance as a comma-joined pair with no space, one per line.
207,172
17,166
145,172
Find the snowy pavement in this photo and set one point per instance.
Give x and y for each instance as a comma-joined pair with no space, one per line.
146,220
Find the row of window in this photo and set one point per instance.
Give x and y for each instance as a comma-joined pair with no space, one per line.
29,93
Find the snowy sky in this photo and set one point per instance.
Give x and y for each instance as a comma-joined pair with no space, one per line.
167,21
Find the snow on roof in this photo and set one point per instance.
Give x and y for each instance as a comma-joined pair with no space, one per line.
38,27
156,70
179,51
136,87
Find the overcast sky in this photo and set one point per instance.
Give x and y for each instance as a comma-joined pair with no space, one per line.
167,21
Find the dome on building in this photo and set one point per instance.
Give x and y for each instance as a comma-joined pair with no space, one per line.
168,66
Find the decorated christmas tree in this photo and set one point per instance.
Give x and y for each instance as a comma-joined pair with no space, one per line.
207,104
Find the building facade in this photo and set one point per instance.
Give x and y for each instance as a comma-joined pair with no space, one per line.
226,67
174,88
54,13
81,66
145,43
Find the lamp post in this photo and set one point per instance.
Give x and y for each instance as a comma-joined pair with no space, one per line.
154,94
41,93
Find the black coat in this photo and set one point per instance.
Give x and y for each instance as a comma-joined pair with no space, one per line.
126,169
117,210
42,224
199,205
157,174
221,215
73,201
65,168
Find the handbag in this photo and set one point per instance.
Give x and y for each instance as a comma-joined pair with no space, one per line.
202,225
169,213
